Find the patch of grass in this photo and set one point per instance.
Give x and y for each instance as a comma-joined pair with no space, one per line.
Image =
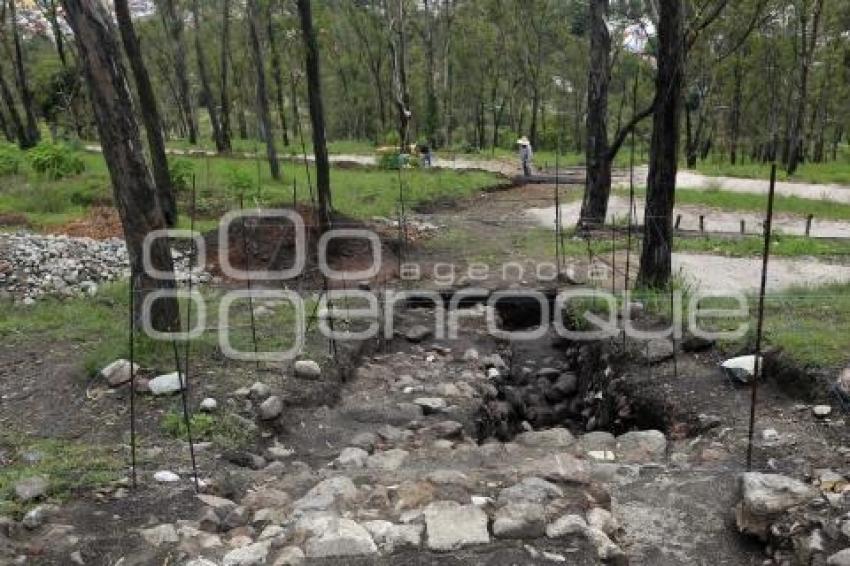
837,172
750,246
69,467
226,431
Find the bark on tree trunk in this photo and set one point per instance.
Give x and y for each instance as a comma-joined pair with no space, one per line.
598,184
277,73
808,43
398,48
226,134
150,113
134,193
317,113
262,97
32,134
656,256
221,144
174,23
735,118
17,125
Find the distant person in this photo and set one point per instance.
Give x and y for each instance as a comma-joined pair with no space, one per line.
425,155
526,154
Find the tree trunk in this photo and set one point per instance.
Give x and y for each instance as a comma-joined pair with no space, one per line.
656,256
32,133
262,97
735,117
317,113
134,193
398,48
277,74
808,43
150,113
17,125
174,23
206,91
226,134
598,184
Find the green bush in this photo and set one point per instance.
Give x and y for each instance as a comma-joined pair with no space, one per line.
392,161
55,161
239,182
181,172
10,160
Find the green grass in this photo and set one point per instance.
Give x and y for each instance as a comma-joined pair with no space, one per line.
749,202
837,172
224,430
753,246
69,467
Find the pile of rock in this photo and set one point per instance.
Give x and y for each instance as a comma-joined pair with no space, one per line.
801,523
33,265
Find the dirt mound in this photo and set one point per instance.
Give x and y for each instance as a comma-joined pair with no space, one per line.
100,223
14,219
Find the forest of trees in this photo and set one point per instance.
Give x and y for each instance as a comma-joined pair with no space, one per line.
739,80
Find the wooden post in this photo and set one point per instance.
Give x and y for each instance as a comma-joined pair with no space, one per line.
809,220
743,226
701,223
678,220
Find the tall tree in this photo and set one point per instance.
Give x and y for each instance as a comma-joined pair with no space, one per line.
277,74
262,96
16,124
27,99
135,197
317,113
222,144
226,134
173,21
396,13
808,38
150,112
656,255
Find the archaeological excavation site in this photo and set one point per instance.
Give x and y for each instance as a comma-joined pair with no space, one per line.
424,282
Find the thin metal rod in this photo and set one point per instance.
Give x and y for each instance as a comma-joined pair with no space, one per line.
673,333
558,210
248,280
132,335
768,226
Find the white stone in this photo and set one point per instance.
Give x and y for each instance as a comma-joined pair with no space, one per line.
822,411
565,526
602,520
165,476
271,408
307,369
520,520
341,537
289,556
352,457
209,405
167,384
250,555
841,558
118,372
389,460
390,537
160,534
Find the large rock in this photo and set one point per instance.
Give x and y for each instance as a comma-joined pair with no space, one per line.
118,372
765,497
352,457
530,490
520,520
250,555
271,408
341,537
159,535
561,467
839,558
307,369
29,489
657,350
167,384
326,494
389,460
38,516
568,525
741,369
642,447
390,536
451,526
551,438
431,405
259,391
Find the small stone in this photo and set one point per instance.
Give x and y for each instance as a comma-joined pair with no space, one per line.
160,535
29,489
271,408
365,440
431,405
326,493
531,490
237,517
165,476
209,521
307,369
642,447
520,520
470,355
841,558
209,405
37,516
250,555
603,520
167,384
822,411
118,372
551,438
390,537
259,392
352,457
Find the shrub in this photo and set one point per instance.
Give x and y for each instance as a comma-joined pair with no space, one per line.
10,160
181,171
239,182
392,161
56,161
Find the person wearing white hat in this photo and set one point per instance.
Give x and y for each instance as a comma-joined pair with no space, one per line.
525,155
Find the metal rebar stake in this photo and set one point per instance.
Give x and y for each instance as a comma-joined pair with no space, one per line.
758,362
132,353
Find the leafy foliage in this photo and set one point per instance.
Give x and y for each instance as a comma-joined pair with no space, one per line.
55,160
181,172
10,160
